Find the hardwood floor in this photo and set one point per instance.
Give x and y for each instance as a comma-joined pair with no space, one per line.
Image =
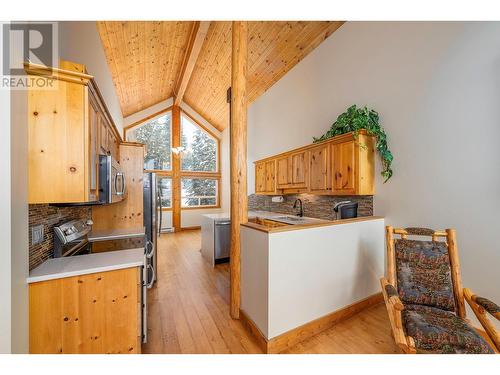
189,311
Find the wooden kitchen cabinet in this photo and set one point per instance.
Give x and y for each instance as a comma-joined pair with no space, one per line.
128,213
299,171
320,170
260,177
109,142
265,177
270,180
103,136
341,165
343,168
114,145
93,314
282,172
353,166
292,171
94,148
65,135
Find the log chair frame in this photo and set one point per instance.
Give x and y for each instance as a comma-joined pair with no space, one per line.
394,305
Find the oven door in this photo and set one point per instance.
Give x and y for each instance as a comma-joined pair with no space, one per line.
117,182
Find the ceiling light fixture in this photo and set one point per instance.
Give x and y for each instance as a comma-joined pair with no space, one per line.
178,150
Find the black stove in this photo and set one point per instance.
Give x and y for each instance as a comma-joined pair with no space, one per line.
70,238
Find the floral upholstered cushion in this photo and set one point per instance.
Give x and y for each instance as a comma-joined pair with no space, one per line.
424,273
438,331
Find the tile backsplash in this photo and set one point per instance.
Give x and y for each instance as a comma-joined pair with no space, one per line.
50,216
317,206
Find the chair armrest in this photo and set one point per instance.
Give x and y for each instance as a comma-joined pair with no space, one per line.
486,304
393,296
480,306
394,307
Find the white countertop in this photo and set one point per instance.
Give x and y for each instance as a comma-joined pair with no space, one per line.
226,216
58,268
262,214
220,216
115,234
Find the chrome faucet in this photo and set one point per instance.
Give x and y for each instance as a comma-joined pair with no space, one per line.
301,211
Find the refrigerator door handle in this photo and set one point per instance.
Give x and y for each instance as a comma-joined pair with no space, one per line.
150,283
161,212
144,307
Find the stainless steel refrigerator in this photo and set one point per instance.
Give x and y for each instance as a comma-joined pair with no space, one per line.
152,218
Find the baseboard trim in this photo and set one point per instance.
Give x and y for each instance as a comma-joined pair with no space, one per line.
288,339
195,227
254,331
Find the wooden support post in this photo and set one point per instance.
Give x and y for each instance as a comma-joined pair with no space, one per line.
176,167
455,271
239,199
391,268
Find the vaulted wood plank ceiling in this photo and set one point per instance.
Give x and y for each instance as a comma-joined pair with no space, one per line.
146,58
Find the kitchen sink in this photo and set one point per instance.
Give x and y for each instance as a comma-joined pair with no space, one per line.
289,218
267,218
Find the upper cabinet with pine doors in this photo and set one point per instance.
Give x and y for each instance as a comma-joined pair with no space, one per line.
292,171
265,177
341,165
67,123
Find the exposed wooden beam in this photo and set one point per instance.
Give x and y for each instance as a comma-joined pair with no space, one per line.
176,166
239,199
196,40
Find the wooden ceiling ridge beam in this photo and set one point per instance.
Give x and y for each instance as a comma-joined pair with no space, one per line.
196,40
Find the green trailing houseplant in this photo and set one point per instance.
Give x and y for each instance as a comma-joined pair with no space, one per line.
356,119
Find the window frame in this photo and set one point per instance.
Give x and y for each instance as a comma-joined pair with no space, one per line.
183,174
163,175
145,120
217,193
202,174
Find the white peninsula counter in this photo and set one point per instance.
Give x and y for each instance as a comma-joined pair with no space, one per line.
209,222
297,279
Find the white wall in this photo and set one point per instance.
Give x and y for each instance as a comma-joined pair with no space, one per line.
80,42
138,116
19,221
13,221
5,224
192,218
437,89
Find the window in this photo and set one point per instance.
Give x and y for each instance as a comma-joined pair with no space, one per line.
165,190
199,192
193,168
199,147
156,135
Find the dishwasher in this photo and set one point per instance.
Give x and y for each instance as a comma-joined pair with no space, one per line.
222,241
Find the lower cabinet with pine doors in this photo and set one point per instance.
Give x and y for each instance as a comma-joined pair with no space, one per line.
342,165
97,313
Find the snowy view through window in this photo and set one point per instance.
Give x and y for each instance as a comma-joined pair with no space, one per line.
199,155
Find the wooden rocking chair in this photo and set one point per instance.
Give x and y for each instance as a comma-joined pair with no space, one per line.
424,296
